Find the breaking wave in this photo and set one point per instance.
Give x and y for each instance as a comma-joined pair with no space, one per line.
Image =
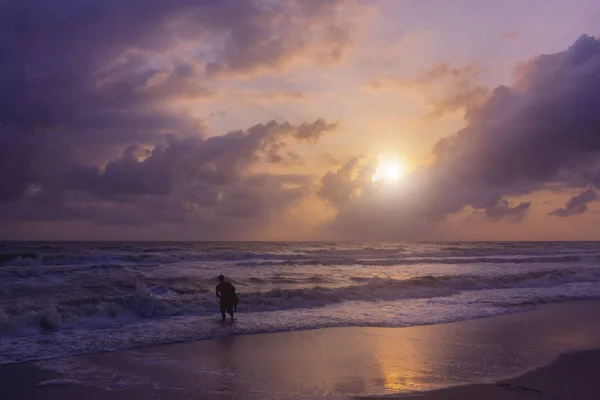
158,301
416,261
259,260
111,296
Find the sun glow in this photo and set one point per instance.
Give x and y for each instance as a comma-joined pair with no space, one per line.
389,170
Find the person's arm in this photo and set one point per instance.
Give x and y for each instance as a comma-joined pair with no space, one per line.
218,292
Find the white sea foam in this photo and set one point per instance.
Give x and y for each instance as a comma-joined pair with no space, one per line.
155,302
410,312
65,299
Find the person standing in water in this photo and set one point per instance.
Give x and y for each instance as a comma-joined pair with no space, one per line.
226,292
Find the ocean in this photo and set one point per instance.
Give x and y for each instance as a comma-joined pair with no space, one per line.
71,298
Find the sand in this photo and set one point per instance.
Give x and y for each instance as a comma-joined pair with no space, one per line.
509,357
572,377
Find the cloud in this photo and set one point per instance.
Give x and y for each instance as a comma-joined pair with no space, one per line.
338,188
497,208
446,71
93,130
218,160
209,181
446,88
91,122
63,61
319,30
541,133
577,204
534,132
314,130
433,75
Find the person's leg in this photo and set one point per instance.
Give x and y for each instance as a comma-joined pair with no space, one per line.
222,310
230,310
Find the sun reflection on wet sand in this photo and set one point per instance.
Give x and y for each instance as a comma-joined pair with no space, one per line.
401,381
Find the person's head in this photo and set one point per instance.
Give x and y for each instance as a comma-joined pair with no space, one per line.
221,278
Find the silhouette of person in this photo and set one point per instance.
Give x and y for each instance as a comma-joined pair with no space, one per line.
226,292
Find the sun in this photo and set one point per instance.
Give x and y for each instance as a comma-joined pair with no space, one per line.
389,170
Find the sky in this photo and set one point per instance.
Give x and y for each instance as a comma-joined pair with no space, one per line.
268,119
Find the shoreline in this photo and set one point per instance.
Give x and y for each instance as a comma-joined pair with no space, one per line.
332,363
571,375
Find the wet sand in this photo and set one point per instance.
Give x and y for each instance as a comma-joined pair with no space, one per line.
344,363
573,376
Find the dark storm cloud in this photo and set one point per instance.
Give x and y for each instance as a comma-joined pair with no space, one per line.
66,59
576,205
27,159
532,132
86,127
545,129
546,124
185,180
218,160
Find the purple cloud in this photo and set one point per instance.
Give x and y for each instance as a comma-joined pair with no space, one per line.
576,205
71,60
497,208
189,172
218,160
85,134
544,130
532,132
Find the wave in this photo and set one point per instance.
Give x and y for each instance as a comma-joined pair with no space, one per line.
246,255
88,291
157,301
138,258
8,257
187,328
414,261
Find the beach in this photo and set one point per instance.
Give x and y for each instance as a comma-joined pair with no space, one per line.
299,200
547,353
572,376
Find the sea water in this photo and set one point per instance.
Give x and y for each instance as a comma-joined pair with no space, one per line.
70,298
